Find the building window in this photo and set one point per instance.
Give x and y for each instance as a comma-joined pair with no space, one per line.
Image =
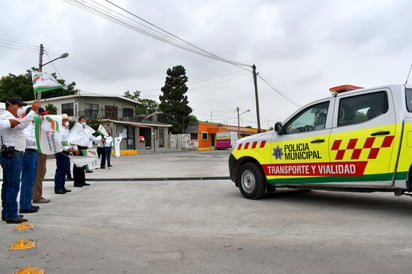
127,112
204,136
68,109
193,136
110,112
91,110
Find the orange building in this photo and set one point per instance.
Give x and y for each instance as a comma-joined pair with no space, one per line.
206,133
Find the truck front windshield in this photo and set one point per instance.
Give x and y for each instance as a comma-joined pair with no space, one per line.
408,93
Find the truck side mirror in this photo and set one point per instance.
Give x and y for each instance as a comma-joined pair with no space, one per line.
278,127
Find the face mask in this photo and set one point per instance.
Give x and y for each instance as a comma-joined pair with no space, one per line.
66,124
20,112
84,124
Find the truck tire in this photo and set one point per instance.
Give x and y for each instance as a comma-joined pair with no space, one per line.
252,183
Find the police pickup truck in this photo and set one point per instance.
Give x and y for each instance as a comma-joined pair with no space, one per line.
358,139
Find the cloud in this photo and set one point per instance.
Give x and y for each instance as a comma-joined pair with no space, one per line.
300,47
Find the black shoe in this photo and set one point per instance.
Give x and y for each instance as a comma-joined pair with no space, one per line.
102,167
18,216
67,190
35,207
69,179
29,210
78,185
109,165
60,192
86,184
18,220
89,171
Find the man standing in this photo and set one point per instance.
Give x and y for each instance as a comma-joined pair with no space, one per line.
81,136
28,175
62,158
108,148
41,172
11,157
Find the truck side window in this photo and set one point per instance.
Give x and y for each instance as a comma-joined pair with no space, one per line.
362,108
311,118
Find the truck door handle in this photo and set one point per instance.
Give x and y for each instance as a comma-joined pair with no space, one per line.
380,133
317,141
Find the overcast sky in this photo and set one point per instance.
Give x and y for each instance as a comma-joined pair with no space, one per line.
300,47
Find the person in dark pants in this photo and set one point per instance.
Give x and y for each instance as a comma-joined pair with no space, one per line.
81,136
108,148
101,153
62,158
29,169
11,157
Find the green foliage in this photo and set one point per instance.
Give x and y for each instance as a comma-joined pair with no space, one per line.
51,109
174,104
16,85
145,106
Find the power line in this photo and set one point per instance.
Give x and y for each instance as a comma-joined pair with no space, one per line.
146,28
277,91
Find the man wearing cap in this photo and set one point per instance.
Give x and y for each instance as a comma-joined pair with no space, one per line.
29,169
62,158
11,157
41,172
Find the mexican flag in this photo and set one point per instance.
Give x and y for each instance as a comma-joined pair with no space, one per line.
44,82
48,134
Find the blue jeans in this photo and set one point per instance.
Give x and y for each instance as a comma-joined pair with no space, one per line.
28,177
11,185
62,163
108,152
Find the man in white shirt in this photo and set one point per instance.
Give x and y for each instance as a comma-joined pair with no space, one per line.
62,158
11,157
81,136
108,144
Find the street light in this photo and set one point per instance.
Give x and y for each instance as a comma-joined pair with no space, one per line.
238,120
41,65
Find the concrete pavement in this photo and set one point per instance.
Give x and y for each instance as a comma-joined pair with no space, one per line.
91,229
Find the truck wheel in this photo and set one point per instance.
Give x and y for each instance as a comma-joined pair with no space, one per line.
252,181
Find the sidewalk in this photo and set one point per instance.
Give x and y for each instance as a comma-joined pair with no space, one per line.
159,165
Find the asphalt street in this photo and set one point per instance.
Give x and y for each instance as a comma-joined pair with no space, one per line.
143,216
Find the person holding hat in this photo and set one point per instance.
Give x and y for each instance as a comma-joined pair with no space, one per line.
37,196
11,157
62,158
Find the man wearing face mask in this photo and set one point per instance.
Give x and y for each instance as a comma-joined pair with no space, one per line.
81,136
11,157
62,158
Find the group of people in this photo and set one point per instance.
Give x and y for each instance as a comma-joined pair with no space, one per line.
24,167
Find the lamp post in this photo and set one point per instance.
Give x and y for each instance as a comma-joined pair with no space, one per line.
238,120
41,65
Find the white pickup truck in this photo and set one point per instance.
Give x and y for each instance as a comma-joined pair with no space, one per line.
358,139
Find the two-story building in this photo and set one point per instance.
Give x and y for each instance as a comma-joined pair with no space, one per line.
118,115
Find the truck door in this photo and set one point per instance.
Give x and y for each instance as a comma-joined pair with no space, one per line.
362,138
301,146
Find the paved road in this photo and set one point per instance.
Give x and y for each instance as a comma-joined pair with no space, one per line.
205,226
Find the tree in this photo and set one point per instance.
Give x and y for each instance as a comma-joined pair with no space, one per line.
145,106
21,86
51,109
174,104
16,85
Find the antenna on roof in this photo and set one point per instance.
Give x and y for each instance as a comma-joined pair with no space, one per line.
407,78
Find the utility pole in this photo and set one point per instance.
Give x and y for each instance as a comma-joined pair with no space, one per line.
38,94
256,97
